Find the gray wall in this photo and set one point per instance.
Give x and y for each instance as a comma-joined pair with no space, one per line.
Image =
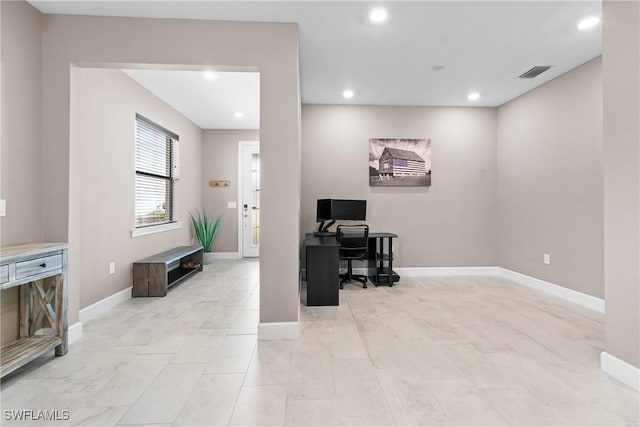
104,104
220,162
621,68
461,204
451,223
21,124
550,181
271,48
21,146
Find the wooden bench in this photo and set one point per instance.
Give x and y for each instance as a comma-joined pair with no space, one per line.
153,276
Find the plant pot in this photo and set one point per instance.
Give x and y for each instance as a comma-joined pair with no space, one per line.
207,258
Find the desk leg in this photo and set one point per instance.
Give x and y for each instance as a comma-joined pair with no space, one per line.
379,267
390,261
323,278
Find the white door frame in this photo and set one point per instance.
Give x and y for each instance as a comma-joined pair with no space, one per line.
241,146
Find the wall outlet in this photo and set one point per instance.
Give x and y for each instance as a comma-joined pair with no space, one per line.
546,259
3,207
231,205
112,267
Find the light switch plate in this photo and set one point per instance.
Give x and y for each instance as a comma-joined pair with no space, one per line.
546,259
3,207
232,205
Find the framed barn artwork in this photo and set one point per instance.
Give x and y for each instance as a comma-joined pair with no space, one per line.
399,162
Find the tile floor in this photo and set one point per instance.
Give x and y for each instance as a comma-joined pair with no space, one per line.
463,351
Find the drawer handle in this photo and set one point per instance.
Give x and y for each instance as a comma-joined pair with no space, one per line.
43,265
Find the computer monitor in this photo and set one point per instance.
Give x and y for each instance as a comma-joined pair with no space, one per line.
333,210
353,210
323,210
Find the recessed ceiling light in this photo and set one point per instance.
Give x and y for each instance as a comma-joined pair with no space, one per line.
348,93
238,114
210,75
588,23
378,15
473,96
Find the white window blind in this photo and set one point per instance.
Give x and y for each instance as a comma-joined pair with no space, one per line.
155,185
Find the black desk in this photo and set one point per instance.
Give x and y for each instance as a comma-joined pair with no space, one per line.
323,263
323,276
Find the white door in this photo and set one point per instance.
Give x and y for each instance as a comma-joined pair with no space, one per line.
250,199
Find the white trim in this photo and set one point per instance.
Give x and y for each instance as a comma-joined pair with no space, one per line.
104,305
153,229
241,145
278,331
575,297
356,270
239,198
622,371
437,271
446,271
74,333
226,255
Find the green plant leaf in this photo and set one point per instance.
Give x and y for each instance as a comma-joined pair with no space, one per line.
206,229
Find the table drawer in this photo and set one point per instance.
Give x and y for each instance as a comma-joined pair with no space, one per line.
38,265
4,273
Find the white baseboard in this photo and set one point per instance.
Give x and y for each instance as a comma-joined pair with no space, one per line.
74,333
446,271
622,371
278,331
104,305
226,255
437,271
575,297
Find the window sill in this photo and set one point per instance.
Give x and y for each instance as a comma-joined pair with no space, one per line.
153,229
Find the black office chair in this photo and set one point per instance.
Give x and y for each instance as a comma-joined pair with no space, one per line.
353,240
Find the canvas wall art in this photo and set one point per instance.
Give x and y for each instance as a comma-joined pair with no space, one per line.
399,162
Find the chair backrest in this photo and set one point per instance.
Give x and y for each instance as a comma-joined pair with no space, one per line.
353,237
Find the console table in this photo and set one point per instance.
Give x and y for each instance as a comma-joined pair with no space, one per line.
40,272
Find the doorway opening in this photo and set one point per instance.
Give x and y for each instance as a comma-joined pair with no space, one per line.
249,198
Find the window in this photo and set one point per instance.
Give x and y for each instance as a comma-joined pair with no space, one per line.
155,180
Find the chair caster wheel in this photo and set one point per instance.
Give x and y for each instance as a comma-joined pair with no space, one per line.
341,286
364,286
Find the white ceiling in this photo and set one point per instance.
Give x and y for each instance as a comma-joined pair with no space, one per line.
211,104
483,46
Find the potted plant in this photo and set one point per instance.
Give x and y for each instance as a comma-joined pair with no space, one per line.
206,229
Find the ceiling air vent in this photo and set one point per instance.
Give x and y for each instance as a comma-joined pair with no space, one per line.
534,72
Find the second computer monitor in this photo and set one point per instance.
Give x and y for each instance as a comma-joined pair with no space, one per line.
341,209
